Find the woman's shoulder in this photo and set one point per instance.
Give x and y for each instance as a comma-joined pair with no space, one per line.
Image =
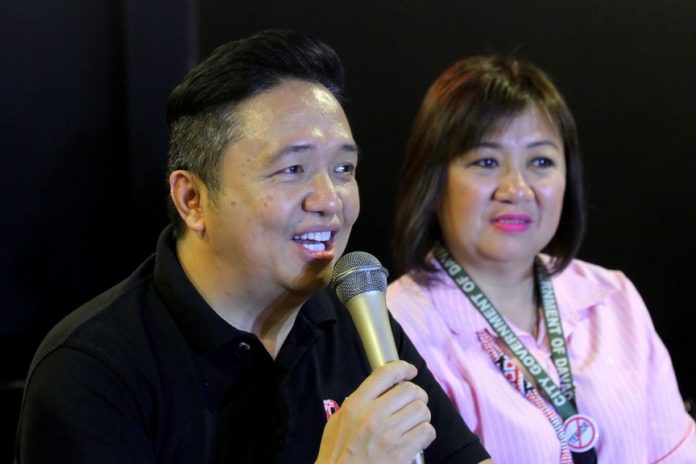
414,301
580,272
425,311
583,285
407,289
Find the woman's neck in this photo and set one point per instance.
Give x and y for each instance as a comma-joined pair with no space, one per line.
511,289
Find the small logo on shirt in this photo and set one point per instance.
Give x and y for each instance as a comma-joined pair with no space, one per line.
331,407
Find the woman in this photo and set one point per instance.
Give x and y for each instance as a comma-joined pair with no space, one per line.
548,358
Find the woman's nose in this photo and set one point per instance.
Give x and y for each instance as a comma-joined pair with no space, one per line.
514,188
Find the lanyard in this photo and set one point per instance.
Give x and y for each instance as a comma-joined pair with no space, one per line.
563,398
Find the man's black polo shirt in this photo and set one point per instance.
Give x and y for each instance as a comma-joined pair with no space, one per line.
148,373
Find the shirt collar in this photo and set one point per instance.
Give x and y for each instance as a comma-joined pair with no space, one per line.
321,308
204,329
577,293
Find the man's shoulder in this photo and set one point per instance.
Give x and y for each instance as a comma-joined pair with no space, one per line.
107,323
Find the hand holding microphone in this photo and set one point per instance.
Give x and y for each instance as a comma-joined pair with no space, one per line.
386,419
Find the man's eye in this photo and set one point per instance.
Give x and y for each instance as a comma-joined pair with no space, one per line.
485,163
347,168
295,169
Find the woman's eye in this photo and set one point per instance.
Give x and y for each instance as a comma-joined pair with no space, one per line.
543,162
485,163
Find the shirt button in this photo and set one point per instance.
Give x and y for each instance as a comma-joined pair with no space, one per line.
245,346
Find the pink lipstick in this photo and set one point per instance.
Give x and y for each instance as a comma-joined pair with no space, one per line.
512,223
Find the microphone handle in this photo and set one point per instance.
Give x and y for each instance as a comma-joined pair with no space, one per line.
375,333
369,313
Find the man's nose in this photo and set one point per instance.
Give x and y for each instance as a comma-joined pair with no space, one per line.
322,196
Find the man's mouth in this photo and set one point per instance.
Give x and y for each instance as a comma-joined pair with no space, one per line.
314,241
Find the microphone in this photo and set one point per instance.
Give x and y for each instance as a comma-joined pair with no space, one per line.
360,282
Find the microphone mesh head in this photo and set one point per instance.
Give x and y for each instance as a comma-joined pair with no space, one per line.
358,272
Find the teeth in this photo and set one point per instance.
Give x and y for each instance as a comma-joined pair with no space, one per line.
512,221
315,236
314,246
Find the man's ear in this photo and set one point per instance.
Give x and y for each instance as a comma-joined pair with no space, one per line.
187,192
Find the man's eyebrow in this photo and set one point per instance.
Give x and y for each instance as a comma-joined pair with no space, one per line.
351,147
301,147
297,148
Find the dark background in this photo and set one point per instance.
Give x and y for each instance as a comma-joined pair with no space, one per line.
83,140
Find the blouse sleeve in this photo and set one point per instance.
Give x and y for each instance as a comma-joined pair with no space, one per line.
671,431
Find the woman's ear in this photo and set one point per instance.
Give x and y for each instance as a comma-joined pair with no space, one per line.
187,192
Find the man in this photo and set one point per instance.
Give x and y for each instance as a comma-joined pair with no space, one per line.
224,346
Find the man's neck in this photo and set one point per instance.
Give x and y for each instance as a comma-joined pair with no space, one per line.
269,315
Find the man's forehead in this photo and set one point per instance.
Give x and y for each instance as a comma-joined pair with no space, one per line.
292,118
293,106
290,93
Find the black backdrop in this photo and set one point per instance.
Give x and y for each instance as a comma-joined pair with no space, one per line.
83,140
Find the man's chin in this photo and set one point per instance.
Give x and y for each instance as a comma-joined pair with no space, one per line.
313,279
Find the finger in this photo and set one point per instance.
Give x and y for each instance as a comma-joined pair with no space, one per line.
406,445
418,439
411,416
384,378
404,407
400,396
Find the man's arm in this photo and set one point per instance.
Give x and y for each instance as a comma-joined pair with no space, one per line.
76,411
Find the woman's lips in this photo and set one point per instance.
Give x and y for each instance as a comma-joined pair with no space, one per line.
512,222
